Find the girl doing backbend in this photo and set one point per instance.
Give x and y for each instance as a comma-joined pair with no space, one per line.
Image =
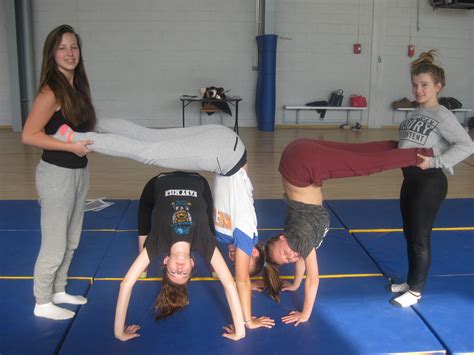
304,165
176,214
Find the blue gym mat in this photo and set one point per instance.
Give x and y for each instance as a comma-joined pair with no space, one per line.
25,215
352,314
340,323
385,214
19,215
452,252
108,218
22,332
129,218
448,307
19,250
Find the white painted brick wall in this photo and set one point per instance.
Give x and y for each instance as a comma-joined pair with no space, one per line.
141,55
319,59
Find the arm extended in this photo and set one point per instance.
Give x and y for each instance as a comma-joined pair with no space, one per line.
244,288
220,267
121,331
299,273
310,291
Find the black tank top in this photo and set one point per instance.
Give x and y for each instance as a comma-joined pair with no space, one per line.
58,157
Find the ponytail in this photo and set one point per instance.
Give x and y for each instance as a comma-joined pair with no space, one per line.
171,299
425,65
259,261
271,275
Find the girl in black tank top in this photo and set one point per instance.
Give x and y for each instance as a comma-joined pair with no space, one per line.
58,157
62,177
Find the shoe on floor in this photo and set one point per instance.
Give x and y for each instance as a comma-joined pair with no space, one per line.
397,288
51,311
357,127
407,299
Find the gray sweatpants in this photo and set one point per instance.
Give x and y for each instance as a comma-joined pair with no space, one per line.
62,194
211,148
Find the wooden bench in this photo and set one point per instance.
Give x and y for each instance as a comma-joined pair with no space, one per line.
327,108
462,110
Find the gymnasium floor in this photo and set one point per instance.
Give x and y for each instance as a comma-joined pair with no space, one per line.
352,314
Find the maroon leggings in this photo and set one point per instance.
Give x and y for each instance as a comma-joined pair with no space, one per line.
310,161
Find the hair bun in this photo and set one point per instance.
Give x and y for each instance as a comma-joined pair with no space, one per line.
426,57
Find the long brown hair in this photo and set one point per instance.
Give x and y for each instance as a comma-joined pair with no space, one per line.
260,260
75,101
172,297
271,275
425,65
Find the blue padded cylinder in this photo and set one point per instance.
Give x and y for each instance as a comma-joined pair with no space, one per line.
265,96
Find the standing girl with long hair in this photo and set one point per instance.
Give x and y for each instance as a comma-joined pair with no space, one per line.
62,177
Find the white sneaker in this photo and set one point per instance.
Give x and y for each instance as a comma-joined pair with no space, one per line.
63,297
397,288
51,311
407,299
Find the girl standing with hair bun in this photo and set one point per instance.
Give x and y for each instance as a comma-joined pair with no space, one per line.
424,188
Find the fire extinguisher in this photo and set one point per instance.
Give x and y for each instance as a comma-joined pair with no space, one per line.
411,50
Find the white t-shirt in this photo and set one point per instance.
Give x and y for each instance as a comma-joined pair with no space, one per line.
234,213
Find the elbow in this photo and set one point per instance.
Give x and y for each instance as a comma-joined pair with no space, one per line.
126,285
313,280
242,282
25,138
229,285
28,137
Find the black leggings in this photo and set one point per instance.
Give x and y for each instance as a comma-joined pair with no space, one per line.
421,196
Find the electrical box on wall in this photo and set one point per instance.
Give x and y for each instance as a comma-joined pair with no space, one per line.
357,48
453,4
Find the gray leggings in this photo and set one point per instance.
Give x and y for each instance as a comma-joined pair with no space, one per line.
212,148
62,194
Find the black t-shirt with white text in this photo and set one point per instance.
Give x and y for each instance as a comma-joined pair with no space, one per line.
177,207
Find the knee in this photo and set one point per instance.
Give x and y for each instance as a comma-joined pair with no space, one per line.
224,132
73,243
422,247
50,262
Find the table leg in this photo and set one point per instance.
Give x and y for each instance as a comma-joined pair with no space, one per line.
183,112
236,124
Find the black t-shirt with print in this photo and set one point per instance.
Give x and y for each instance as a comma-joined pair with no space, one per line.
177,207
